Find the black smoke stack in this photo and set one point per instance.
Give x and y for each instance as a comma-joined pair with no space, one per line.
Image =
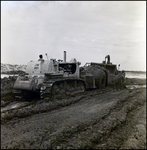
64,56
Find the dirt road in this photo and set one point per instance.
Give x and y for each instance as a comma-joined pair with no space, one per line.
110,118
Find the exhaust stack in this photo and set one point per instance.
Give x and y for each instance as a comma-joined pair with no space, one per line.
64,56
118,67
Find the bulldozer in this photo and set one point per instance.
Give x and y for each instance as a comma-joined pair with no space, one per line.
47,78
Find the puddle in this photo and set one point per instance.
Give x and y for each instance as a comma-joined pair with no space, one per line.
135,86
14,106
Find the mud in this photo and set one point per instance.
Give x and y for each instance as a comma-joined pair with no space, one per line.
111,118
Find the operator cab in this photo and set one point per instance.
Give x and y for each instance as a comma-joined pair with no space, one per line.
67,67
70,69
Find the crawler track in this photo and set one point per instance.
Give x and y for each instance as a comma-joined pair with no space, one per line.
62,88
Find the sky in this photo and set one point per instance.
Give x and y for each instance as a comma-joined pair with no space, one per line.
86,30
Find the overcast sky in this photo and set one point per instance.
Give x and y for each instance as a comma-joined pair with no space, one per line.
86,30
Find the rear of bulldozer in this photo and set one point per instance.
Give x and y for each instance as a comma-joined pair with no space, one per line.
28,85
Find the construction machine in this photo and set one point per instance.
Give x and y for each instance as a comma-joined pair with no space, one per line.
103,74
48,78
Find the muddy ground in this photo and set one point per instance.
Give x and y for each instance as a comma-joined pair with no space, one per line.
111,118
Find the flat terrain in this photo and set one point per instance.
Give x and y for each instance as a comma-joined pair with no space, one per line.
111,118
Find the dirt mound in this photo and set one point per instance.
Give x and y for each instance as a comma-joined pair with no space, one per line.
7,90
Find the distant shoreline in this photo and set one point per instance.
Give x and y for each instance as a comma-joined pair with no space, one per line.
13,72
136,71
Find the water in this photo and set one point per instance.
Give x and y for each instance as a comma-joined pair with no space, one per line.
140,75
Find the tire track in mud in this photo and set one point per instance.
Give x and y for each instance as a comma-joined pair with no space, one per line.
94,134
129,134
135,100
51,130
25,108
58,129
